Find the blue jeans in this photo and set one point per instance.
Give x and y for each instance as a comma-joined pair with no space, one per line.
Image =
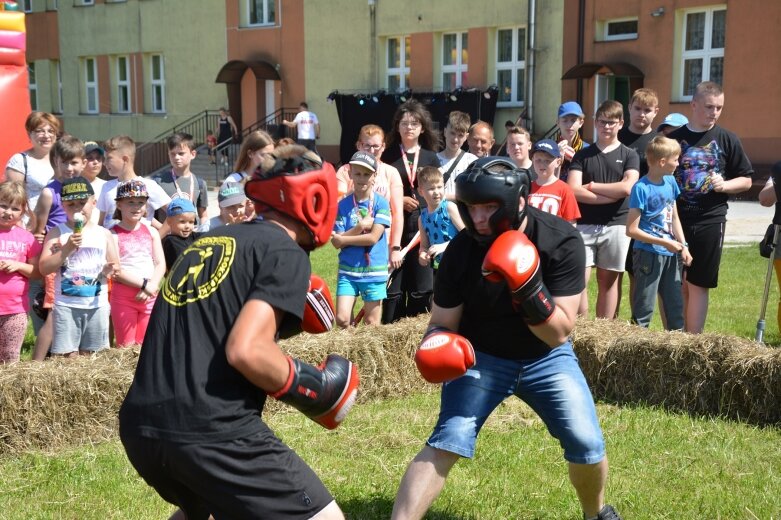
553,386
654,274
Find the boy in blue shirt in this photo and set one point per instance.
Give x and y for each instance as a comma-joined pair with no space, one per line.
359,234
654,224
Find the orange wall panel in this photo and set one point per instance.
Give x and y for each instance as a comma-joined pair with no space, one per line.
421,75
477,74
43,36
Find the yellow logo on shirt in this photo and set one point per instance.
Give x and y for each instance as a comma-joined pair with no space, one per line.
199,270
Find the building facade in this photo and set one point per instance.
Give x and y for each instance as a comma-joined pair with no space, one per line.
141,66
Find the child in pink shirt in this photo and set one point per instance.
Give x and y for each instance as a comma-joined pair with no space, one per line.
18,263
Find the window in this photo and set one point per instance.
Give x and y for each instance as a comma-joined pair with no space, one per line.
262,12
33,85
511,66
397,76
28,7
57,73
619,29
123,84
702,48
90,86
157,75
85,2
455,58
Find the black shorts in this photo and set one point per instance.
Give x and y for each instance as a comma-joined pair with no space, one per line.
705,244
257,476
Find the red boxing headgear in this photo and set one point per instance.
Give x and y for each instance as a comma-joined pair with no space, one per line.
297,183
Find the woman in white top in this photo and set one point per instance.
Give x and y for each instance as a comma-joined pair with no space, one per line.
387,183
32,167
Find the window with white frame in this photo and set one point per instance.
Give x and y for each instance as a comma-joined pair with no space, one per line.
57,104
85,2
90,85
511,66
33,86
397,70
619,29
123,84
702,48
157,83
261,12
28,6
455,60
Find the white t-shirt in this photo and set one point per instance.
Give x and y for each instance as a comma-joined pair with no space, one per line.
39,174
97,187
463,164
212,223
106,203
306,122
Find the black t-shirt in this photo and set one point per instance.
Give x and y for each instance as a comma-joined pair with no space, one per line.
704,153
601,167
173,245
489,320
184,389
637,142
393,157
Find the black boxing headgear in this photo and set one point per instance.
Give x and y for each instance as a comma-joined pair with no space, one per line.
297,183
493,179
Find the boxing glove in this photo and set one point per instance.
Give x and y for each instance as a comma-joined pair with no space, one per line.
514,259
443,355
319,307
324,393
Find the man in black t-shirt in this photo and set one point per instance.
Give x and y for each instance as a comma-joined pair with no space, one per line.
602,177
712,167
191,421
505,302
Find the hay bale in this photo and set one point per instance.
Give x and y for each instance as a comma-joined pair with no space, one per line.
702,374
60,403
63,403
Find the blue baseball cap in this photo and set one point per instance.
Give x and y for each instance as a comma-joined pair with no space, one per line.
180,205
675,120
570,108
548,146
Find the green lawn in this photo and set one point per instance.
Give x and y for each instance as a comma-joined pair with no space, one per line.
663,466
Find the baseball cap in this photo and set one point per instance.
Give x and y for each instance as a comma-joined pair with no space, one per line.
92,146
570,108
675,119
548,146
364,159
231,193
76,188
132,188
178,206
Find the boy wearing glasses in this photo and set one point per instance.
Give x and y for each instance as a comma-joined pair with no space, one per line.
602,177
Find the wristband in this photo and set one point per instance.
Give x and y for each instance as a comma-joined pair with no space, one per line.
396,248
143,284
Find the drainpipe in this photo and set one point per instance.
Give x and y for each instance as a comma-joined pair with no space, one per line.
581,35
373,44
532,50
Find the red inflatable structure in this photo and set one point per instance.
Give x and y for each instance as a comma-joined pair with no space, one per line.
14,86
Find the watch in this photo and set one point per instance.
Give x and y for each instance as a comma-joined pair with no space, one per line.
396,248
143,284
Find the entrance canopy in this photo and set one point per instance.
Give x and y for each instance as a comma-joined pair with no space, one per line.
232,71
587,70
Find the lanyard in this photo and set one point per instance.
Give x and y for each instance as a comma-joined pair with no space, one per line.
411,173
180,193
370,212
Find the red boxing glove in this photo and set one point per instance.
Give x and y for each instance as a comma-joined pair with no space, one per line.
514,259
444,355
324,393
319,307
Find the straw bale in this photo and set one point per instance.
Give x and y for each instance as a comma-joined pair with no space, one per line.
63,403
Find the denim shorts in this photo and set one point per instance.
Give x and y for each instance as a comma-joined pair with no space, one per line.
553,386
369,291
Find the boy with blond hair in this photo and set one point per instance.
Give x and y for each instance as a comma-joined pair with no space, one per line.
439,222
602,177
120,154
519,144
453,159
659,245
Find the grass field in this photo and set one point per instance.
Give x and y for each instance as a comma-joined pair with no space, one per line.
663,465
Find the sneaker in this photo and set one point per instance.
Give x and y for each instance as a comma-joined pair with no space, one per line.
608,513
